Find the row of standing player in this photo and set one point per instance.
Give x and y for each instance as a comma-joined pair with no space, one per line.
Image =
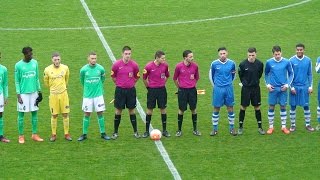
125,73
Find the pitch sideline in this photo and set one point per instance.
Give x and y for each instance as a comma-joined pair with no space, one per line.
159,145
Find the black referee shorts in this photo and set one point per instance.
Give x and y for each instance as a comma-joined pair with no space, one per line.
250,94
125,97
187,96
157,95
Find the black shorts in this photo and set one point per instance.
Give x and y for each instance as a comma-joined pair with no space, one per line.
250,94
125,98
158,95
187,96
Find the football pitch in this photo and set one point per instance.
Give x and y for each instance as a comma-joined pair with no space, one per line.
76,27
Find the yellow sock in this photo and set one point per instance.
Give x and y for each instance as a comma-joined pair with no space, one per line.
66,125
54,125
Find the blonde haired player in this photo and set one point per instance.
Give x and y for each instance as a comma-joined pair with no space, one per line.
56,77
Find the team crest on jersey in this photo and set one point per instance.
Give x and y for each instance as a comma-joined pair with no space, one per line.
145,71
130,74
191,76
163,75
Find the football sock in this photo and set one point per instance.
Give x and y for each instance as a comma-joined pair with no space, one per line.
117,119
85,124
242,114
54,125
20,122
102,126
307,115
1,125
180,120
194,121
293,115
133,120
66,125
34,119
271,117
318,114
231,119
283,117
164,121
215,120
148,120
258,117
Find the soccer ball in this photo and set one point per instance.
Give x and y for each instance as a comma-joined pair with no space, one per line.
155,134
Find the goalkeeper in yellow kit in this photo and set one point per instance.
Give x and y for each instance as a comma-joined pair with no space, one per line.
56,77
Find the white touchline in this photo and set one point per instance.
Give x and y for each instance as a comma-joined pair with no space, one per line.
158,24
159,145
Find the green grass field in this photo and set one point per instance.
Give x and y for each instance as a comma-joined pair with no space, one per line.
147,26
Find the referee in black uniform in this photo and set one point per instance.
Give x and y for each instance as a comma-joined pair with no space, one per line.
250,71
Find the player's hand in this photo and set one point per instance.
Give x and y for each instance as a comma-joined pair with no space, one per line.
5,101
310,90
19,99
270,88
284,88
293,91
39,99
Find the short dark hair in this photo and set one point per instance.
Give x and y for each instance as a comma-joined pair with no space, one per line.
276,49
125,48
159,54
92,53
252,49
55,54
27,49
300,45
186,52
222,48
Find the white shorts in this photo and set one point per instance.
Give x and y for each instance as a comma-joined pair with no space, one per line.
1,103
28,102
97,103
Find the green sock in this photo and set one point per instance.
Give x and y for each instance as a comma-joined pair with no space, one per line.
1,126
85,125
20,122
34,118
101,124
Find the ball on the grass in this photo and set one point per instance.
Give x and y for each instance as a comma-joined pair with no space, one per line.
155,134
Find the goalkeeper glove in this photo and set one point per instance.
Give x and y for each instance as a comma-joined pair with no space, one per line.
39,99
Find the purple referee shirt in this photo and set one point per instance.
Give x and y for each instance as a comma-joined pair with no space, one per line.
187,76
126,74
156,74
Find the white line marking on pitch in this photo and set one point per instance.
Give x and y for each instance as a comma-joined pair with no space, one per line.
159,145
157,24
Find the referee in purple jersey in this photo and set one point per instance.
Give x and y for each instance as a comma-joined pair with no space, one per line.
250,71
186,76
155,76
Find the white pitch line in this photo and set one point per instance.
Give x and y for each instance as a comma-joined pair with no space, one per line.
159,145
158,24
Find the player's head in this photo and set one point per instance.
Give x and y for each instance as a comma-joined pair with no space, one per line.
300,50
92,58
187,56
276,51
126,53
252,54
160,56
27,52
55,58
223,53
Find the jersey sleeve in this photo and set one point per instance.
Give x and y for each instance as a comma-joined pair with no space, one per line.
82,74
145,72
266,73
46,77
37,77
103,74
67,76
5,83
17,78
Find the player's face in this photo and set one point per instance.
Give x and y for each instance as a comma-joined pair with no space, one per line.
189,58
126,55
299,51
277,55
162,59
28,56
252,56
223,54
92,59
56,61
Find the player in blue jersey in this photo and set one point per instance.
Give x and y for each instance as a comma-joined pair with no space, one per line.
221,75
278,77
318,108
301,87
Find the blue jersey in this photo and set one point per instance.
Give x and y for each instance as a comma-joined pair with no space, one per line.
318,65
278,73
302,71
222,73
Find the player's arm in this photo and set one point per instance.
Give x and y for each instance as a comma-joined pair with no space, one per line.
103,75
145,77
37,78
260,70
167,72
318,65
233,71
5,86
17,79
82,75
197,75
136,73
310,80
46,77
175,77
211,74
290,74
67,76
113,73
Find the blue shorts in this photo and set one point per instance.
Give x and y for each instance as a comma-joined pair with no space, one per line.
278,97
223,96
301,98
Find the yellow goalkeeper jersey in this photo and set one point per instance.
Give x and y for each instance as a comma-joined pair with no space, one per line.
56,78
